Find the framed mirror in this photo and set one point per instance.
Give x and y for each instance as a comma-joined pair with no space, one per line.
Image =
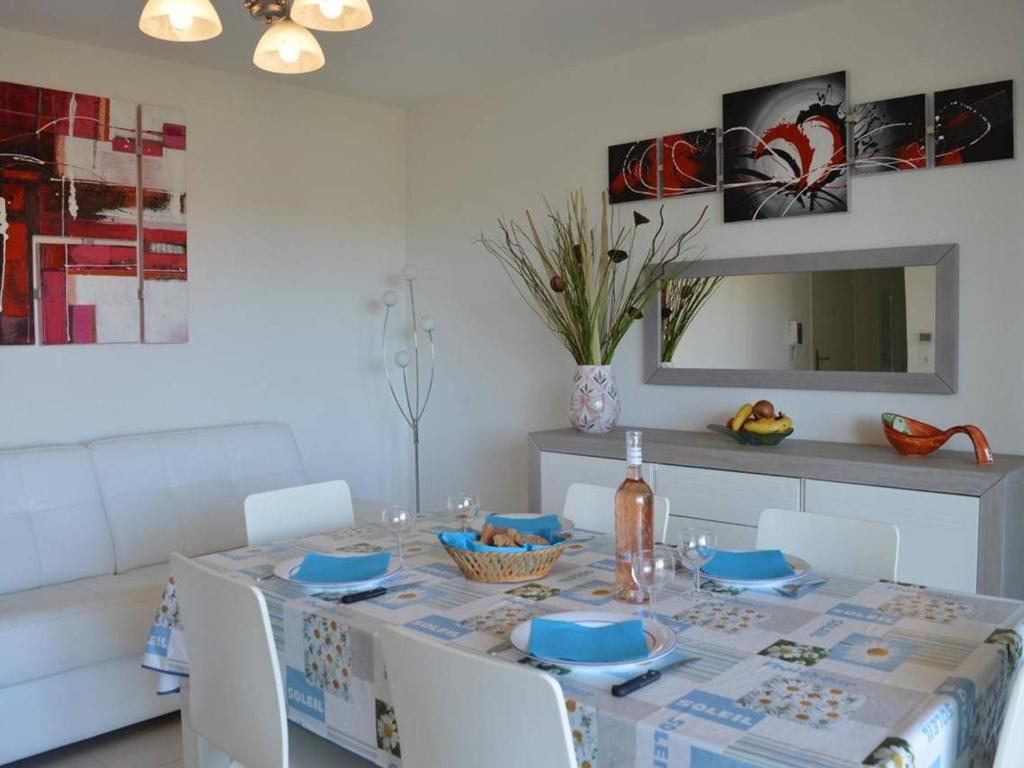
880,319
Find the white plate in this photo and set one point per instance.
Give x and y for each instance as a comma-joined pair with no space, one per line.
478,523
285,568
800,569
660,639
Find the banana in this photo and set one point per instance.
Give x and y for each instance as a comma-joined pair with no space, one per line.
741,417
769,426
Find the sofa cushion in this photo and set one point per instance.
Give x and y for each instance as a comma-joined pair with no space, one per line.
54,629
184,491
52,524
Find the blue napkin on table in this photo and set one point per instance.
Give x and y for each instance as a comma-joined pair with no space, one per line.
567,640
330,569
542,525
759,564
470,540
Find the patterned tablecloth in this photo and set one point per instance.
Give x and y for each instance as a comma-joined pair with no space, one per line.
854,672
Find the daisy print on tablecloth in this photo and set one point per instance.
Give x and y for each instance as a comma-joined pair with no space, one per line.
794,653
791,697
583,725
884,653
326,654
894,752
533,591
168,614
918,605
362,546
593,592
503,618
722,616
387,729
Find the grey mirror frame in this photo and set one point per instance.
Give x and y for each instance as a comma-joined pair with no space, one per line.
944,257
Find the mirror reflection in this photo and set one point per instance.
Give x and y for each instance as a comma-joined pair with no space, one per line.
835,320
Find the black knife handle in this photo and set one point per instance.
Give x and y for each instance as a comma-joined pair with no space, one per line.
369,594
636,683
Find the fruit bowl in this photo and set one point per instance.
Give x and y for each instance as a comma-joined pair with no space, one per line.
749,438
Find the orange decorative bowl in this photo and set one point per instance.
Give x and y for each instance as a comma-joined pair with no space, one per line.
916,438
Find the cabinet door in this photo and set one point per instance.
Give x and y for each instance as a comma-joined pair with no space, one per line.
729,536
737,498
938,531
560,470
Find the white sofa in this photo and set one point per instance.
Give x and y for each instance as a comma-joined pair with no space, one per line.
85,533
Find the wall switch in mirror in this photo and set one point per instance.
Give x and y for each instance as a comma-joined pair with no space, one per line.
795,333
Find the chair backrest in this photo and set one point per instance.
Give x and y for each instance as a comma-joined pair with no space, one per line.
236,701
842,545
1011,738
457,709
297,511
592,508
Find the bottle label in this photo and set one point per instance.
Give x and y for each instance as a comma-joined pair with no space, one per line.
634,455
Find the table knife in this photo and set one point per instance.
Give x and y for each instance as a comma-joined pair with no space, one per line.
650,676
369,594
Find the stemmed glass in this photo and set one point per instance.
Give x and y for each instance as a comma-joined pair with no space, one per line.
399,521
464,506
696,548
652,570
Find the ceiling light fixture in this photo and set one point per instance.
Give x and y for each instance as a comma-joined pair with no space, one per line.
287,47
180,21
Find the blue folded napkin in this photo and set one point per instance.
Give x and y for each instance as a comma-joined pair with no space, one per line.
759,564
567,640
330,569
539,524
470,540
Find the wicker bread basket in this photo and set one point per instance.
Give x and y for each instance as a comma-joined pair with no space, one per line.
507,566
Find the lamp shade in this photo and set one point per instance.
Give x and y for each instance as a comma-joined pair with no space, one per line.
181,21
288,49
332,15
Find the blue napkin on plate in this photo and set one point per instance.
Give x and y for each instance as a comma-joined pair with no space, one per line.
758,564
569,641
542,525
329,569
470,540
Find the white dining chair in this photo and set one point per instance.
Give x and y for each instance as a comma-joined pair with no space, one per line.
592,508
457,709
298,511
1010,750
842,545
236,700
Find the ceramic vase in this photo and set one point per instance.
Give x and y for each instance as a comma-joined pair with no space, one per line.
594,401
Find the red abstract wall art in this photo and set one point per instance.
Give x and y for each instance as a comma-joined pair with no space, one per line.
974,124
633,171
689,163
80,263
889,135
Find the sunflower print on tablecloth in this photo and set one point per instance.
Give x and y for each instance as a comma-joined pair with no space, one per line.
168,614
794,653
387,729
894,752
583,725
327,655
503,618
916,605
722,616
818,705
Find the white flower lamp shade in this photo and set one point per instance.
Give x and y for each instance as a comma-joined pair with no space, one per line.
288,49
332,15
180,21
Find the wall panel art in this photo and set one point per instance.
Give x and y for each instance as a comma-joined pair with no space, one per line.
890,135
974,124
689,162
633,171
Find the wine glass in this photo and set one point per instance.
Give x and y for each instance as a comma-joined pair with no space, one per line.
464,506
652,570
696,547
399,521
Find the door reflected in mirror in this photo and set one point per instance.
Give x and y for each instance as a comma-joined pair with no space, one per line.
871,320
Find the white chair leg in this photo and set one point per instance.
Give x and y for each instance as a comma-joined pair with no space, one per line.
197,752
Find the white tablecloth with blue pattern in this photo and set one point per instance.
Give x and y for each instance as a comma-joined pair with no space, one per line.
851,673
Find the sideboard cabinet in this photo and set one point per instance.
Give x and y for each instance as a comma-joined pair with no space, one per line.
961,525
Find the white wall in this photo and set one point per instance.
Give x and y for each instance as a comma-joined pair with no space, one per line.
473,157
297,217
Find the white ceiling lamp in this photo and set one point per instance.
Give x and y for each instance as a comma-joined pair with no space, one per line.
332,15
180,21
288,49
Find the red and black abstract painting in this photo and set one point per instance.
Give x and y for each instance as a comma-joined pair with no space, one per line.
974,124
74,266
784,149
633,171
689,163
889,135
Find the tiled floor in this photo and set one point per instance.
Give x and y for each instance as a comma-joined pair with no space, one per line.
157,744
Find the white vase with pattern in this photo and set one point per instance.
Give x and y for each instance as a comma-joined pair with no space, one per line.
594,404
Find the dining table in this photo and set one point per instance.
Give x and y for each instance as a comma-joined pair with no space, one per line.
850,672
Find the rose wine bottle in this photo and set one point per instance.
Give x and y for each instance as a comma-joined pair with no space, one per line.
634,520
